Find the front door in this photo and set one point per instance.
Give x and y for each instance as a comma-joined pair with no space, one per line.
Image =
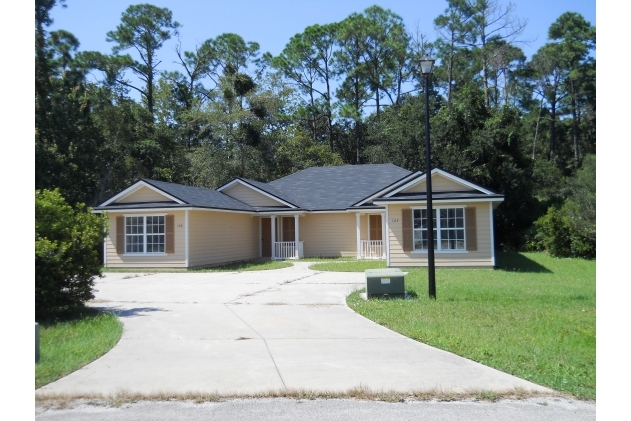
289,229
375,227
266,236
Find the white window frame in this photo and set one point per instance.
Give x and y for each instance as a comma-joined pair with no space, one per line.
144,235
437,228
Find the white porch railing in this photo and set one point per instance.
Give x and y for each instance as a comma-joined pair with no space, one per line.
287,250
372,249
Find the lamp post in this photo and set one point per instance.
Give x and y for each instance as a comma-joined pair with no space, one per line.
427,65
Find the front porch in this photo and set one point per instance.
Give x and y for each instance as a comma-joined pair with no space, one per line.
326,235
370,244
287,230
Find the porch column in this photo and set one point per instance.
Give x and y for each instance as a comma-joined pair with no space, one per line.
260,237
383,235
359,246
297,234
273,218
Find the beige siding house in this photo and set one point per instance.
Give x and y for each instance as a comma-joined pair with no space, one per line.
364,211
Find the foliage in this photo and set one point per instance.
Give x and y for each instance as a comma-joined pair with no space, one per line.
66,258
339,93
145,28
582,202
299,152
69,344
555,234
533,317
570,231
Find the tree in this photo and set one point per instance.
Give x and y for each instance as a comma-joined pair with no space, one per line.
575,38
66,260
298,62
456,30
385,51
298,152
145,28
354,91
307,60
582,200
396,137
492,22
548,75
67,143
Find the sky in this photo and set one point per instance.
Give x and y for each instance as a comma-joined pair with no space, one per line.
271,23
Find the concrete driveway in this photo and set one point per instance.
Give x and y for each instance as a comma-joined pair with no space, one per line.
250,332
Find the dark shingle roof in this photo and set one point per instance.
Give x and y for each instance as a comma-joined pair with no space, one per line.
332,188
191,196
199,196
268,188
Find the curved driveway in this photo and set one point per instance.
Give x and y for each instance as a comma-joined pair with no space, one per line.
250,332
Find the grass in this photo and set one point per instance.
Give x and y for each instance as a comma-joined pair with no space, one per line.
348,266
117,399
327,259
66,346
230,267
533,317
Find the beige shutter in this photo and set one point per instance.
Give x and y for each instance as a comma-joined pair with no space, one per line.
470,224
120,234
170,233
408,240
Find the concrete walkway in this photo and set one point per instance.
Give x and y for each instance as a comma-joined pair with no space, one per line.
250,332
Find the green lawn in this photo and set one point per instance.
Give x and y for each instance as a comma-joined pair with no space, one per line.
69,345
230,267
534,316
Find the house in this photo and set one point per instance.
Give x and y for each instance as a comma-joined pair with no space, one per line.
321,211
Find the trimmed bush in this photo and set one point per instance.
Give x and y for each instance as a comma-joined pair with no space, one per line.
66,260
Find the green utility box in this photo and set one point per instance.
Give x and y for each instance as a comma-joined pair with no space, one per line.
385,282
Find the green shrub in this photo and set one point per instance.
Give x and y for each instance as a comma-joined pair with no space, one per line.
66,260
556,234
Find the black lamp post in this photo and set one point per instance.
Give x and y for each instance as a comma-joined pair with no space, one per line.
427,65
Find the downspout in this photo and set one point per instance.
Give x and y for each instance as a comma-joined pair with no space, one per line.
357,226
273,218
387,239
105,251
186,238
492,235
383,234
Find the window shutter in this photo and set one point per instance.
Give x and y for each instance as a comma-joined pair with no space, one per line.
406,219
120,235
170,233
472,234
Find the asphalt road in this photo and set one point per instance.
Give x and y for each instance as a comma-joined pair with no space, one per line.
540,409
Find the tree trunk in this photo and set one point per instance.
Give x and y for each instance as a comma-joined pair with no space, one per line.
534,143
312,116
150,83
357,118
328,107
377,101
575,133
553,117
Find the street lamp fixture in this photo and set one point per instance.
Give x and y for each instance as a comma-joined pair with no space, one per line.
427,65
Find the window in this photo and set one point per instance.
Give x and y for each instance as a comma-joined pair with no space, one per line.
448,229
144,234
